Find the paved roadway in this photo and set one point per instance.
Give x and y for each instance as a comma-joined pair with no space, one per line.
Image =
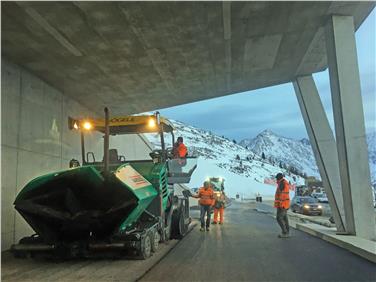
267,206
82,270
246,248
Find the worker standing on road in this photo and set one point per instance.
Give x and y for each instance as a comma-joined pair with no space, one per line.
206,201
282,203
219,207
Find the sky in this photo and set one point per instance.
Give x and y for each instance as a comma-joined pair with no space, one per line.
246,114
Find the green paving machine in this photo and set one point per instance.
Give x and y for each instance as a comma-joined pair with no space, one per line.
113,207
218,185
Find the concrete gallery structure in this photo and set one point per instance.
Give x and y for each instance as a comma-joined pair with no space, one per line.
63,59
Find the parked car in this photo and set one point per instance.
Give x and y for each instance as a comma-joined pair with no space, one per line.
321,197
306,205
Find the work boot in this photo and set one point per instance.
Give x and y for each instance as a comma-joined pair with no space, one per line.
207,229
221,223
202,229
214,222
283,236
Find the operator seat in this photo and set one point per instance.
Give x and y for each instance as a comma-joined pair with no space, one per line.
113,156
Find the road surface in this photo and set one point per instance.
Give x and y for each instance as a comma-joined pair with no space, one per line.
246,248
82,270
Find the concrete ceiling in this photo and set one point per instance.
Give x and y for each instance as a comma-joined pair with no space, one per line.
140,56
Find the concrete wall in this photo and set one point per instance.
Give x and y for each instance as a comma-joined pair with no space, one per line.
36,140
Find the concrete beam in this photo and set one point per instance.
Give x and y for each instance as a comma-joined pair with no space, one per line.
226,7
50,29
349,126
323,144
140,56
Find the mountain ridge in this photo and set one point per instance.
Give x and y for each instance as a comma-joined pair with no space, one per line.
245,172
271,144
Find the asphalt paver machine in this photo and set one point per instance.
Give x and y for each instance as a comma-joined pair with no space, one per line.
218,185
112,207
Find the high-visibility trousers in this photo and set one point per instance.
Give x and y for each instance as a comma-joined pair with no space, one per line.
220,211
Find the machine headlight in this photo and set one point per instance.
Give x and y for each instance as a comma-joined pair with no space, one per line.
320,206
75,125
87,125
306,206
151,122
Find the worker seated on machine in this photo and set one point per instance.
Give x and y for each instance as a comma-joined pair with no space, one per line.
179,155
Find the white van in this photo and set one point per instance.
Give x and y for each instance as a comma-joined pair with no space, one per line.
321,197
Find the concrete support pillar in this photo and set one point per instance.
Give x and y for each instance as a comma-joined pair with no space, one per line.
323,144
349,126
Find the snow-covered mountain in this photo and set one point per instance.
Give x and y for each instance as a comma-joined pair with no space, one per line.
244,171
371,141
285,151
297,153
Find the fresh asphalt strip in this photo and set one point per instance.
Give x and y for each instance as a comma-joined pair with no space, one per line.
190,228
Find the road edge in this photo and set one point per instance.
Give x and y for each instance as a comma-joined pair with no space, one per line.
149,268
340,242
295,222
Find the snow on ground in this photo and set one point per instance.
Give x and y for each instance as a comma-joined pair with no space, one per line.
244,171
234,184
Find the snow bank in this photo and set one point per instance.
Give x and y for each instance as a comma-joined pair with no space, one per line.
243,170
234,183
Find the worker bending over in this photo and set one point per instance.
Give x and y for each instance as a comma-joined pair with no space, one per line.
206,201
282,203
219,207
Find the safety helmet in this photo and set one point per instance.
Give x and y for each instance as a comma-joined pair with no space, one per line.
279,176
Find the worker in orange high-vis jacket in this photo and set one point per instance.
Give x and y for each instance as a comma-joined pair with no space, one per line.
206,201
179,152
219,207
282,203
179,149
